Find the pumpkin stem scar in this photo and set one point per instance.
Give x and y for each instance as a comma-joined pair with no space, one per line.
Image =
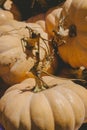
72,30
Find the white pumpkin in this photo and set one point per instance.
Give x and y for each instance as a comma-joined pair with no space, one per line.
15,59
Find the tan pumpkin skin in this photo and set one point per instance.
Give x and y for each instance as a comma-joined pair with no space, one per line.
11,7
4,16
62,107
14,64
74,51
67,5
51,19
52,15
39,19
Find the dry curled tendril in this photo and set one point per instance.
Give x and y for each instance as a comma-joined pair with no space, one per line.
62,32
38,68
33,43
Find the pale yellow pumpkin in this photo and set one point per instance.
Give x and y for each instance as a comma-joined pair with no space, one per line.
67,4
15,61
5,15
63,106
73,49
11,7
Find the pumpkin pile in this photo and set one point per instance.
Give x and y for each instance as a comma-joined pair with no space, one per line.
30,51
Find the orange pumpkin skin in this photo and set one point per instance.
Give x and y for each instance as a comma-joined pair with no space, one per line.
58,108
74,49
53,14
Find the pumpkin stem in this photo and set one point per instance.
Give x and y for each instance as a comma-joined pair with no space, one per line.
40,85
62,31
36,70
28,44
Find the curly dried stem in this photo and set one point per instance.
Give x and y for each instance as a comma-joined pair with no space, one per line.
37,70
62,32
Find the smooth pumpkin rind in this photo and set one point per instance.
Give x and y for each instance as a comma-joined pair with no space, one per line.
74,50
63,102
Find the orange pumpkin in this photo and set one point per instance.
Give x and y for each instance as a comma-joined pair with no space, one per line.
72,34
